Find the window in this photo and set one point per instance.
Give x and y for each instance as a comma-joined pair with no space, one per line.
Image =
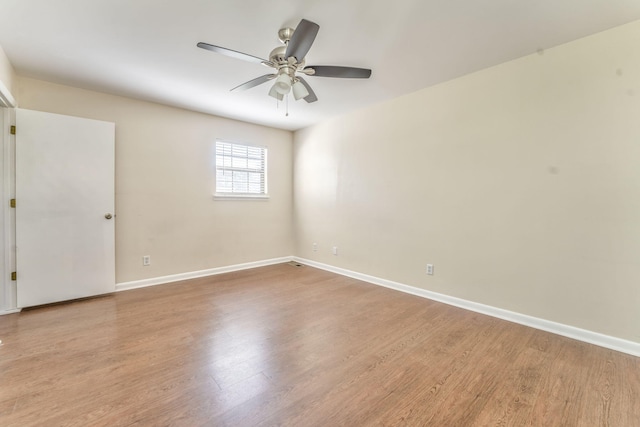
241,170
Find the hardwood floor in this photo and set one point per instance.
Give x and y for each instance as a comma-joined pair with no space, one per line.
298,346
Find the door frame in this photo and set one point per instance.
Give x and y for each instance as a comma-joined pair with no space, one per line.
7,192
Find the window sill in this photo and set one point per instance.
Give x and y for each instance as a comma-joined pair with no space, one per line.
223,196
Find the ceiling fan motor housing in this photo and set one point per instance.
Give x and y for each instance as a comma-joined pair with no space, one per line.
277,55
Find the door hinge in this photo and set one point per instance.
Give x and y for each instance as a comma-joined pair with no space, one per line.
13,130
12,203
14,276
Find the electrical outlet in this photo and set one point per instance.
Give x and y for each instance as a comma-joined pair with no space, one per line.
430,269
335,250
315,247
146,260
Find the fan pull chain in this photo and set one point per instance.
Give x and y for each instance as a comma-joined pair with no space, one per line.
287,115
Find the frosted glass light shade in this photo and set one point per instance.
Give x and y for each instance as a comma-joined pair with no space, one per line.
299,90
283,84
274,93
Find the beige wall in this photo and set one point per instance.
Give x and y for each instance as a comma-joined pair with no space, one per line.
165,182
520,183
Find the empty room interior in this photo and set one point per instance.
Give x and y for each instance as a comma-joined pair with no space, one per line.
320,213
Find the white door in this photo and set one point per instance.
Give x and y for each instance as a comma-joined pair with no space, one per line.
64,207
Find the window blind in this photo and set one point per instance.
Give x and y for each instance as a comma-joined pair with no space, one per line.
240,169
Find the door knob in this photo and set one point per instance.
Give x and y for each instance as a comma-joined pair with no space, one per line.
108,216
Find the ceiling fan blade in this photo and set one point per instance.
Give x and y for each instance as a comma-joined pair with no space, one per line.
302,39
342,72
255,82
232,53
312,95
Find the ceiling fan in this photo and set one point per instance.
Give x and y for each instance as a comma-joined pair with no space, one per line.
289,63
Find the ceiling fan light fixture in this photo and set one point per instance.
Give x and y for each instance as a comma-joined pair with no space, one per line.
287,61
275,94
299,90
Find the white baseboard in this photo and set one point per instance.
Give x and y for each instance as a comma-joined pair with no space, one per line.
584,335
11,311
124,286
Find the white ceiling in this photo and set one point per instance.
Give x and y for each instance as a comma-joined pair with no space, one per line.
147,48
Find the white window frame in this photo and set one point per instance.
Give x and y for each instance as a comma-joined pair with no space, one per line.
235,148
